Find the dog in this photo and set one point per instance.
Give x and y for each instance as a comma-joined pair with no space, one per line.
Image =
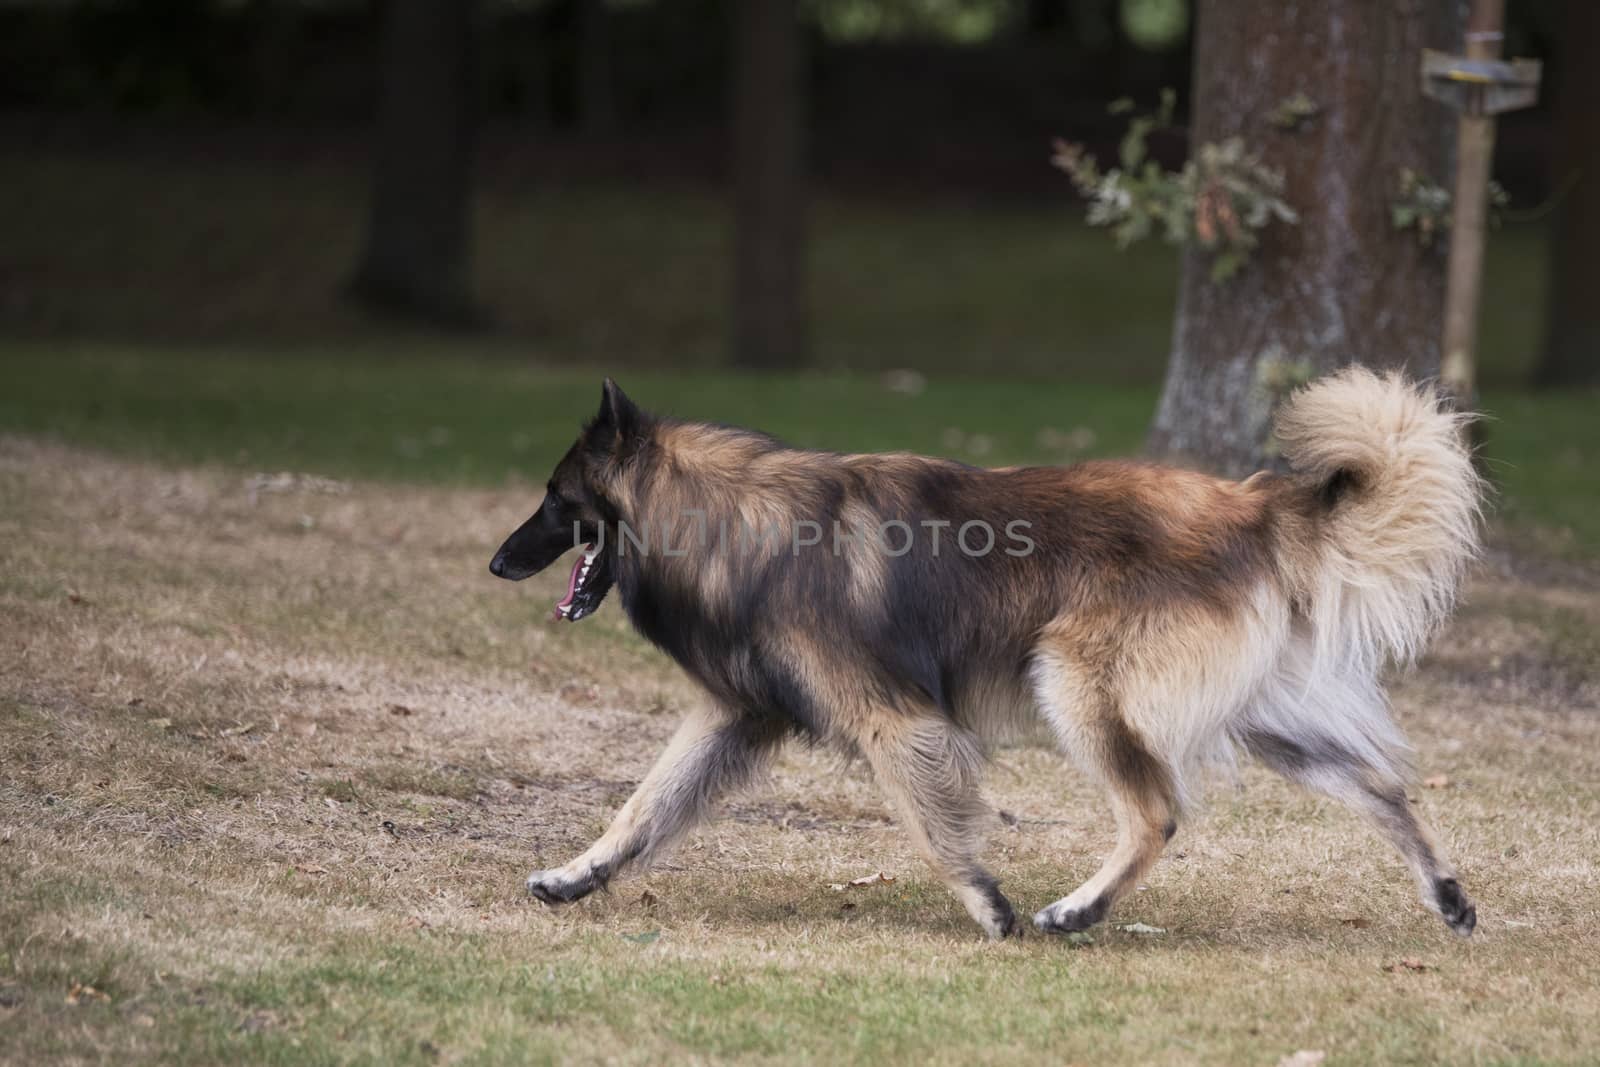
909,609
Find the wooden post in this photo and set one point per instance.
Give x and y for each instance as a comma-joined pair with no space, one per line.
1474,157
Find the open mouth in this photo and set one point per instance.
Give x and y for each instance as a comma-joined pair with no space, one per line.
587,587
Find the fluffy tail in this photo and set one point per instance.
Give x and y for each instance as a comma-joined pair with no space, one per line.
1396,509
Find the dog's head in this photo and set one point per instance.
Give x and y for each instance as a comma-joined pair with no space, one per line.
577,506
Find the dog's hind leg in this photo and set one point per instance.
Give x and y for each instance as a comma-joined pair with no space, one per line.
1336,767
712,752
1089,724
929,768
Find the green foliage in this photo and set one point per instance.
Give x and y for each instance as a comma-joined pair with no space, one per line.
1155,25
1221,199
1277,377
963,21
1423,205
1295,111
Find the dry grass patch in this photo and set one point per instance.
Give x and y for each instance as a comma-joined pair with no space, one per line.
276,763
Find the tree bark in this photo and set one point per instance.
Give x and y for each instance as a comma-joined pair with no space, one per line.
769,327
597,99
1343,285
1572,339
415,260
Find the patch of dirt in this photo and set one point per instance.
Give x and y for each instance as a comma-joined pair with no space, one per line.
209,739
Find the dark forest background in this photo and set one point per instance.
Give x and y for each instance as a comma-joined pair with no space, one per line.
191,170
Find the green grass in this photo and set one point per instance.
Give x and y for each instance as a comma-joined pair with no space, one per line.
475,421
196,245
443,419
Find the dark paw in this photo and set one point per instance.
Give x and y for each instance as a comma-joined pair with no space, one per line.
1454,907
553,887
995,913
1060,919
1002,918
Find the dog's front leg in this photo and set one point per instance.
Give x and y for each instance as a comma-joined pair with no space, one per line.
929,768
713,751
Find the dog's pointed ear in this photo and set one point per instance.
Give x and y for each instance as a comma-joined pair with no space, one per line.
618,414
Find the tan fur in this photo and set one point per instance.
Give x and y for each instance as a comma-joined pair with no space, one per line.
1182,618
1295,662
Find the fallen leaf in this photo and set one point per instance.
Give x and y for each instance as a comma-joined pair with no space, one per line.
161,723
1437,781
83,994
1356,921
647,899
1080,938
645,938
1408,963
310,868
1141,928
400,709
237,731
865,880
905,382
417,923
146,1021
584,696
1306,1057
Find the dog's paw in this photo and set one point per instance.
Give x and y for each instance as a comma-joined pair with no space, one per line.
989,908
1066,917
560,887
1454,907
999,921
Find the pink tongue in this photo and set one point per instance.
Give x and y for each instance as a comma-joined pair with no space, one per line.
572,581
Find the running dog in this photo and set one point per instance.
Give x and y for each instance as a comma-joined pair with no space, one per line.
907,609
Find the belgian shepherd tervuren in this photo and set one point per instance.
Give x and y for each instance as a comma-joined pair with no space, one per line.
907,608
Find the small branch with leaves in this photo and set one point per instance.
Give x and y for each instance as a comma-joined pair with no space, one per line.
1423,205
1221,199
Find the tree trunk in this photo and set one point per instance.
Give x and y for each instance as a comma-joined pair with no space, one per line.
597,99
1572,338
415,261
769,328
1343,286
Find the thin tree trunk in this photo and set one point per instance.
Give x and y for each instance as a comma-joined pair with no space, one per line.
1343,286
769,328
415,261
1572,339
597,100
